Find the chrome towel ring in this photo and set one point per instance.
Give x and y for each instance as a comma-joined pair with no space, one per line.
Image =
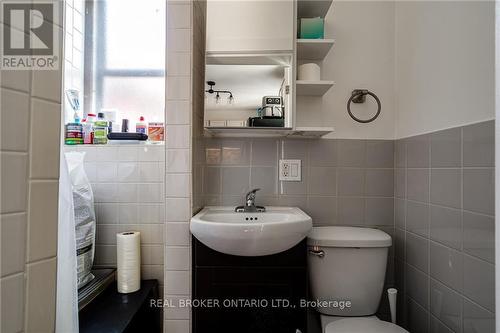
359,96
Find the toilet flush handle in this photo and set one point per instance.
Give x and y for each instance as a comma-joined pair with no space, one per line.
316,251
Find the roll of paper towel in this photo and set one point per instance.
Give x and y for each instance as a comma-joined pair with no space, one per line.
309,72
128,255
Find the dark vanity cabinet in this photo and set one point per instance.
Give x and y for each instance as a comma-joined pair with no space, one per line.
249,294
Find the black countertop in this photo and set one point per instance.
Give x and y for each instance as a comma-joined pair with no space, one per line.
112,312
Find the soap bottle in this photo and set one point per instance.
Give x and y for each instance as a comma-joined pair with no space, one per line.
141,126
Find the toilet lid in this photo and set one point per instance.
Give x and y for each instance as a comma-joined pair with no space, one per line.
363,325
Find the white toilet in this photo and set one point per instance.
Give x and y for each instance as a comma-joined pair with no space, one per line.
348,264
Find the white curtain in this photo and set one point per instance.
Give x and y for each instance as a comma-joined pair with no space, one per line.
67,292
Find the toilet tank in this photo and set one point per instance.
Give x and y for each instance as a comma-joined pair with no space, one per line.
347,268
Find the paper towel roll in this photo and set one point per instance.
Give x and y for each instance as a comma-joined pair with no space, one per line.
128,255
309,72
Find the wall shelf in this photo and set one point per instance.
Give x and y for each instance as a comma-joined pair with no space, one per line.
282,59
313,49
245,132
253,132
311,132
313,88
313,8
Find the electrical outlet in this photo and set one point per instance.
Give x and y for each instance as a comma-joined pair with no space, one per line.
290,170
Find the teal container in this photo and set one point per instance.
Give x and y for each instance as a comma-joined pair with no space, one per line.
312,28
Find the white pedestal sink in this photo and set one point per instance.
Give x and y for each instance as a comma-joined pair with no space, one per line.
250,234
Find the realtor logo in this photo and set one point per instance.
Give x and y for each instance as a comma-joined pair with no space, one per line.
29,35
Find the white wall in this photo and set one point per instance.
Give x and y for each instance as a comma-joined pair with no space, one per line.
362,57
431,63
444,65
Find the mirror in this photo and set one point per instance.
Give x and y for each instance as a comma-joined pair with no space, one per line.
234,95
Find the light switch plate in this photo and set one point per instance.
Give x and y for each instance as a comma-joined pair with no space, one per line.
290,170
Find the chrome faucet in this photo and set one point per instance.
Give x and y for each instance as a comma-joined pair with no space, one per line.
250,204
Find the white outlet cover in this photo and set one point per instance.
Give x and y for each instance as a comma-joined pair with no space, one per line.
290,170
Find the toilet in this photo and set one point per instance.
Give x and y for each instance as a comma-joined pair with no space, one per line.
348,264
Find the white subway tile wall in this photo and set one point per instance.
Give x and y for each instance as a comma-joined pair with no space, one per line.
73,60
30,107
185,71
129,192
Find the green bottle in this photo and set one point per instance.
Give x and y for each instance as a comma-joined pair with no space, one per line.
100,130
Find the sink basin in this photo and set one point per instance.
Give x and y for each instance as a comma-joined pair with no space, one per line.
250,234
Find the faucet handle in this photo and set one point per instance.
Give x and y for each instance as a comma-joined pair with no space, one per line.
251,194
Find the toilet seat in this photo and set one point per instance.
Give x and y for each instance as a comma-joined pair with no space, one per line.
363,325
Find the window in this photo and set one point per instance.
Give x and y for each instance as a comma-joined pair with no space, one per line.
125,50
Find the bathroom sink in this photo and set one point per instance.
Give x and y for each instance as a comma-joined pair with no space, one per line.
250,234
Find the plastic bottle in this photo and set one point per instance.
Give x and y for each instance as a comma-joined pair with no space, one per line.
88,132
100,130
76,117
91,118
141,126
124,125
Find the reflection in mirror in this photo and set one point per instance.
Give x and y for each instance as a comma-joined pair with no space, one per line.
248,85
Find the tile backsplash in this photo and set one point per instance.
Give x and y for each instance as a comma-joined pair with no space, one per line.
344,182
129,194
445,228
